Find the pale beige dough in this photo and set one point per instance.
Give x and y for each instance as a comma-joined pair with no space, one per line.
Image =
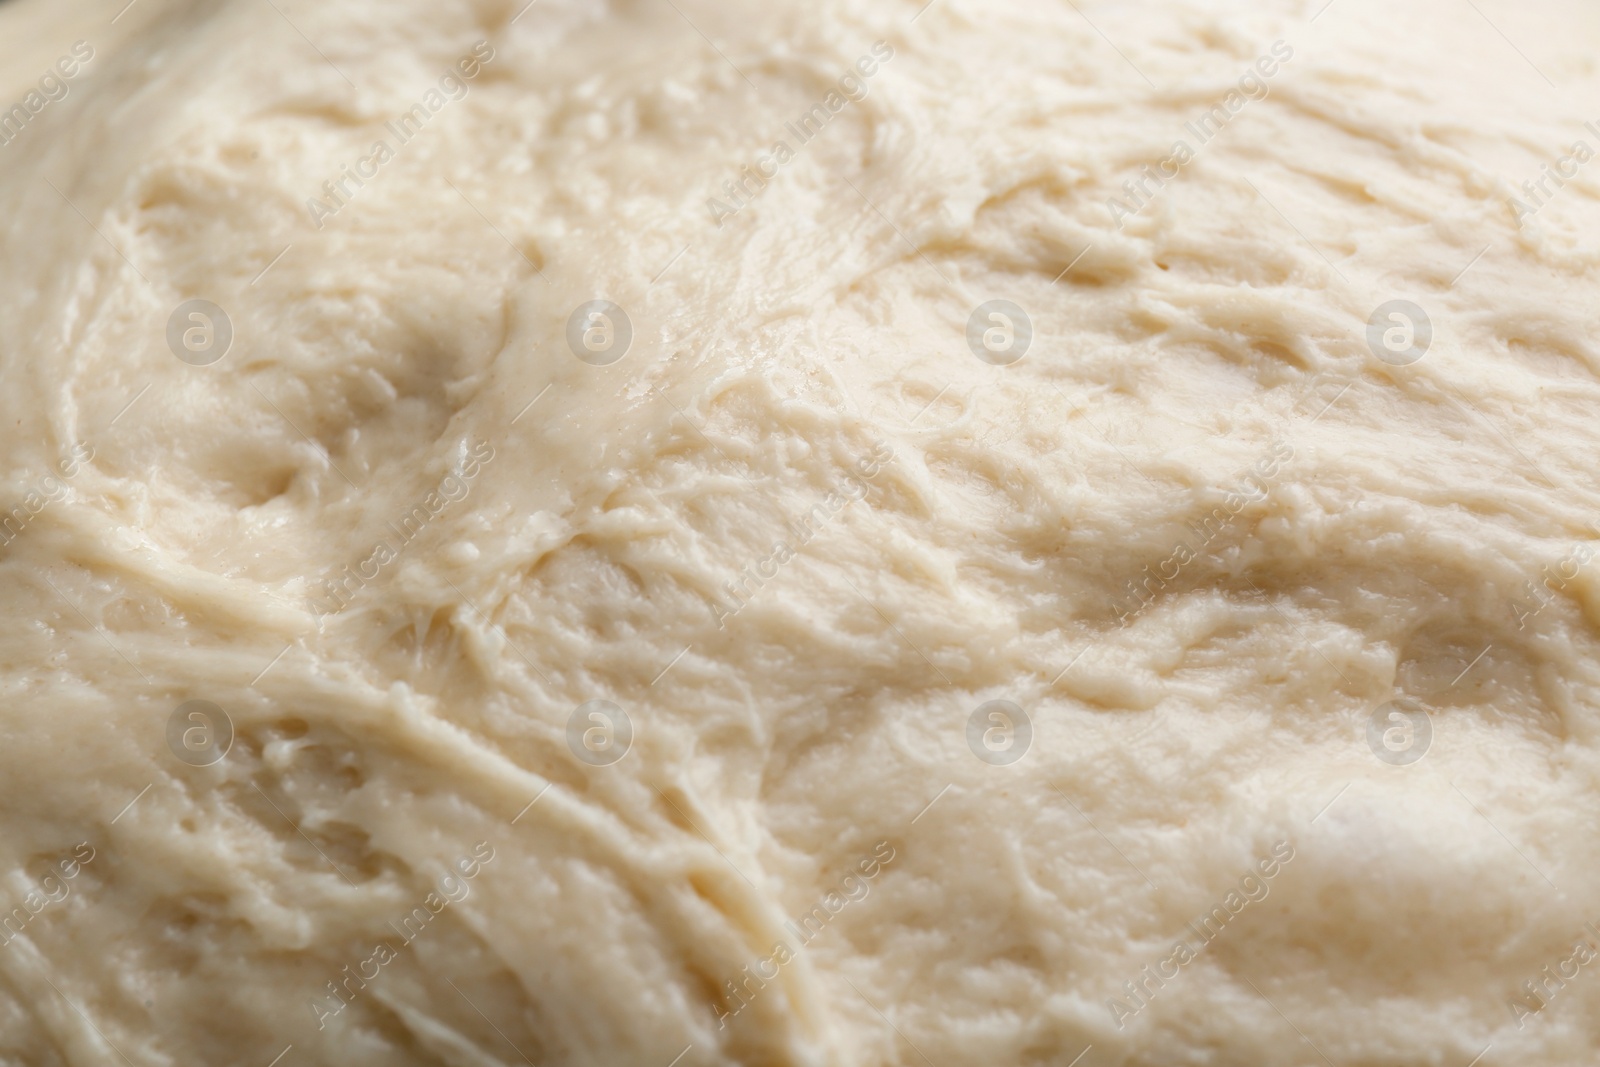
1199,534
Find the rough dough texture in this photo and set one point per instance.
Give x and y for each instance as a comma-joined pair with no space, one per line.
800,535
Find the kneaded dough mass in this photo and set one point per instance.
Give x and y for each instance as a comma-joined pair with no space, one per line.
704,532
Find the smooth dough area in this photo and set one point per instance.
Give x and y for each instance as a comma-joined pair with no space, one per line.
409,661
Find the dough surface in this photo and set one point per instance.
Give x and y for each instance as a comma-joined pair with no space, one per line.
998,580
